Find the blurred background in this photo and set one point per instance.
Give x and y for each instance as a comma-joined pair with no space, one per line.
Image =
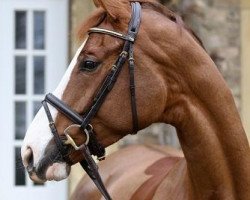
37,42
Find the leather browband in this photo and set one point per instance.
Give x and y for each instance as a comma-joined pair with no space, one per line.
112,33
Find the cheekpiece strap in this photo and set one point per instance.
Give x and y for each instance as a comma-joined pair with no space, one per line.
53,129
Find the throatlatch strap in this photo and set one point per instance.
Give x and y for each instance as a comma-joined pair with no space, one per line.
91,169
132,95
133,31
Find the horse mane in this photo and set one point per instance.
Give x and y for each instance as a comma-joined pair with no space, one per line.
100,14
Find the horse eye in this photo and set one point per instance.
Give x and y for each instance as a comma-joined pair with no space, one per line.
88,65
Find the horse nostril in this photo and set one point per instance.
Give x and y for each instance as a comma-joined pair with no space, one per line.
28,159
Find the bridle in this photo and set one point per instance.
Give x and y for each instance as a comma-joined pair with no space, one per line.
91,145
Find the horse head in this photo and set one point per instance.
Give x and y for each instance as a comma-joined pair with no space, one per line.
161,51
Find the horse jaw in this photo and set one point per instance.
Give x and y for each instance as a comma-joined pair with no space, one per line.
38,134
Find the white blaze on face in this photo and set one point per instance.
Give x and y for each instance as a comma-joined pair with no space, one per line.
38,134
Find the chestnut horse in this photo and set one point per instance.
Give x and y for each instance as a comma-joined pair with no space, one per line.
176,83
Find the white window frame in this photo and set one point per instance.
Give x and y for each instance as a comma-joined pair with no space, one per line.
56,60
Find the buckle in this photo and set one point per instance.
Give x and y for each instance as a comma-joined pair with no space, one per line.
70,140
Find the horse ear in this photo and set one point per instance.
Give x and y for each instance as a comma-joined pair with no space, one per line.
96,2
114,8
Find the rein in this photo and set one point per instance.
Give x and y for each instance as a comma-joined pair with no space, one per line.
91,145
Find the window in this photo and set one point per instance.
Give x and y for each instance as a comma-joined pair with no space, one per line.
30,67
34,39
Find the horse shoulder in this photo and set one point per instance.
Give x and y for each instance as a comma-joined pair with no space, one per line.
132,171
175,184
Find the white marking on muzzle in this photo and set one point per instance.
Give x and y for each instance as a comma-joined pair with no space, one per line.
38,134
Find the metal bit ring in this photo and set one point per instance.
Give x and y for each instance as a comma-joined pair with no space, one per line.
70,139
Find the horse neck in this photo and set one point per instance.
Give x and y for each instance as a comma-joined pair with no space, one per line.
210,132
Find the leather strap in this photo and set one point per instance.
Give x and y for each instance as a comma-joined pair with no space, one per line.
135,21
96,148
61,147
104,90
63,108
88,163
112,33
112,76
91,168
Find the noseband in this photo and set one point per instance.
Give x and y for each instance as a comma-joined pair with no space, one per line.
91,145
